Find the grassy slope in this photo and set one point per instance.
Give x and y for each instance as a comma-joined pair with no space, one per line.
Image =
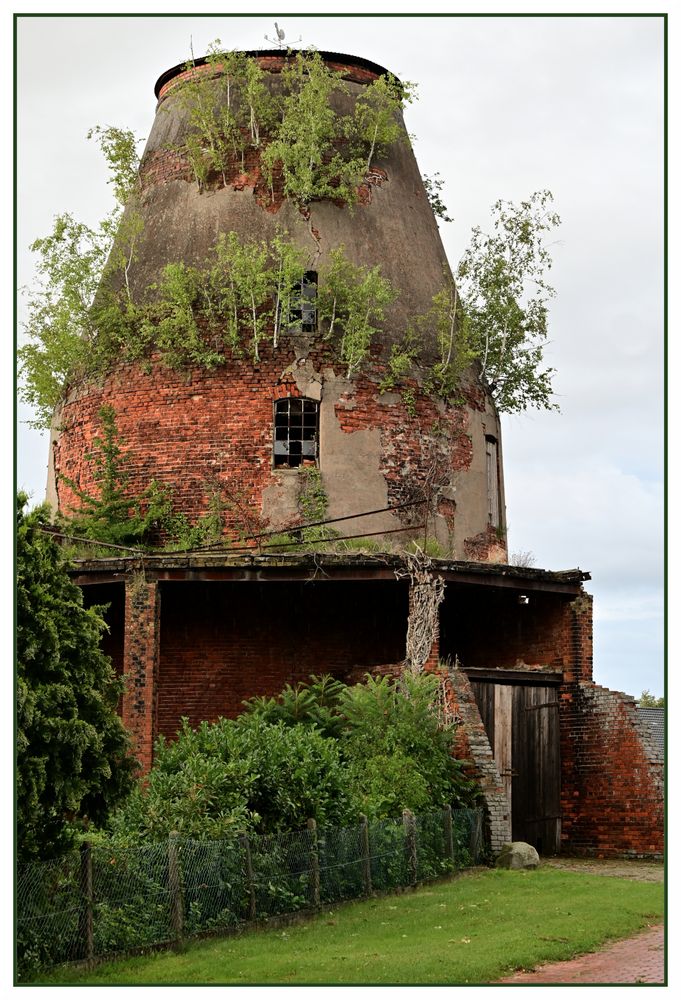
471,929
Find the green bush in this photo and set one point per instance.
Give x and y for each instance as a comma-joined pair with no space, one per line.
239,775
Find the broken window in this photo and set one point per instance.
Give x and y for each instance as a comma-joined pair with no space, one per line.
303,314
296,431
492,481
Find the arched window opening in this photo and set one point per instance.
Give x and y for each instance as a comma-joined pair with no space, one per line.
296,432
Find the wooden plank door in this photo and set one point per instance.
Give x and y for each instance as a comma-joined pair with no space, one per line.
535,752
521,722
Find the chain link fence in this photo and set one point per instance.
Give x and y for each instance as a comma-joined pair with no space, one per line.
104,901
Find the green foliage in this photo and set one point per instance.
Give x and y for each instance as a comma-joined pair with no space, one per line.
648,700
195,313
113,515
474,929
444,323
236,775
315,703
226,112
430,547
396,752
69,315
244,289
376,124
304,147
62,335
395,720
433,186
502,279
313,500
172,325
318,152
386,783
119,147
73,762
288,266
403,357
352,300
207,530
251,280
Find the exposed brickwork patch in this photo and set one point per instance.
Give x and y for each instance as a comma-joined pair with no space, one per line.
612,794
200,431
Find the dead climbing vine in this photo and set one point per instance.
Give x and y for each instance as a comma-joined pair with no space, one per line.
426,594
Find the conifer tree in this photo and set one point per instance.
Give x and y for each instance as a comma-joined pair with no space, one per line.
73,754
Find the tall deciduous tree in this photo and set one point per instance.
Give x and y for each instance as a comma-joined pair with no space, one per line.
73,755
502,280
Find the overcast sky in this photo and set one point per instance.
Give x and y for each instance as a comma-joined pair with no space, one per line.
506,106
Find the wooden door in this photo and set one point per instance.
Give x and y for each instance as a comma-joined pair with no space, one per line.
521,722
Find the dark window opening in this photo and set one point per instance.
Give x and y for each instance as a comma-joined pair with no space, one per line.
296,432
303,314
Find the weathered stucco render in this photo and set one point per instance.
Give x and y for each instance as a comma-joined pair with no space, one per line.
197,431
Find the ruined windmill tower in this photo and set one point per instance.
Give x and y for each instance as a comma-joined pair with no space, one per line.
246,428
318,395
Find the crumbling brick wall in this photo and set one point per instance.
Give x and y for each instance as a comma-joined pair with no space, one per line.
472,744
613,776
208,434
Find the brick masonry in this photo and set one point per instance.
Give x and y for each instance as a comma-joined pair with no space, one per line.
353,72
200,433
218,644
613,775
473,745
140,665
222,643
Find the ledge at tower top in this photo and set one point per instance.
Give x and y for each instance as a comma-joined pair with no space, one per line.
286,333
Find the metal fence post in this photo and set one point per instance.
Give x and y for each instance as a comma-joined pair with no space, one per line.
86,928
410,844
365,852
314,863
248,862
449,833
175,890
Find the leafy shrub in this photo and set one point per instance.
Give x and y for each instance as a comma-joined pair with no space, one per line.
230,776
396,752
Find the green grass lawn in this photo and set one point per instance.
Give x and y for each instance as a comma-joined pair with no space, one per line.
474,928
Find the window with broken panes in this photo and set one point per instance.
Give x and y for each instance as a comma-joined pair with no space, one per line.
303,313
296,431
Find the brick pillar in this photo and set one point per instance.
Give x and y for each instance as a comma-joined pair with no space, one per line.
140,665
578,639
